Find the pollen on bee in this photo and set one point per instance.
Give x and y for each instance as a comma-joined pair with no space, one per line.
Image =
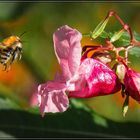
10,40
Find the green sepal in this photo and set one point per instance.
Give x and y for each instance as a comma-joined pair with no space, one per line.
117,35
99,29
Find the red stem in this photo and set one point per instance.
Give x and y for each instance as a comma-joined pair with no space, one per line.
125,26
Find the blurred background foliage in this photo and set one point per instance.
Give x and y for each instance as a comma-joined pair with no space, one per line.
39,20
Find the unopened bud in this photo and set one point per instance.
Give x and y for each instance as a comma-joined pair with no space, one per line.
132,84
120,71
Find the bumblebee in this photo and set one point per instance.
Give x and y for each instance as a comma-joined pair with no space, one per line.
10,51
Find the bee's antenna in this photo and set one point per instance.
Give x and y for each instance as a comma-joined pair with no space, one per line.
22,34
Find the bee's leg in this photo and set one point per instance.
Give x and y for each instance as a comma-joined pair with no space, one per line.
13,58
9,67
20,55
2,61
5,67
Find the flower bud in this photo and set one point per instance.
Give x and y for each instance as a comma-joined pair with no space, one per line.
120,71
132,84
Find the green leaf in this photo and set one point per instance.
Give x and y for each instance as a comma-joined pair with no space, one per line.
137,36
7,104
77,121
106,35
6,135
135,51
122,40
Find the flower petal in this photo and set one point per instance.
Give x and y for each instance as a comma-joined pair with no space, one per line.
52,97
68,50
96,79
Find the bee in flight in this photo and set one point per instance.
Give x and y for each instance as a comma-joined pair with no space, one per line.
10,51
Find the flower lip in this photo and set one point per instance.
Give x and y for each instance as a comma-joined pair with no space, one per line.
52,97
96,79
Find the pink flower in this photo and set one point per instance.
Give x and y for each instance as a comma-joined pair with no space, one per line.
132,84
80,79
52,95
